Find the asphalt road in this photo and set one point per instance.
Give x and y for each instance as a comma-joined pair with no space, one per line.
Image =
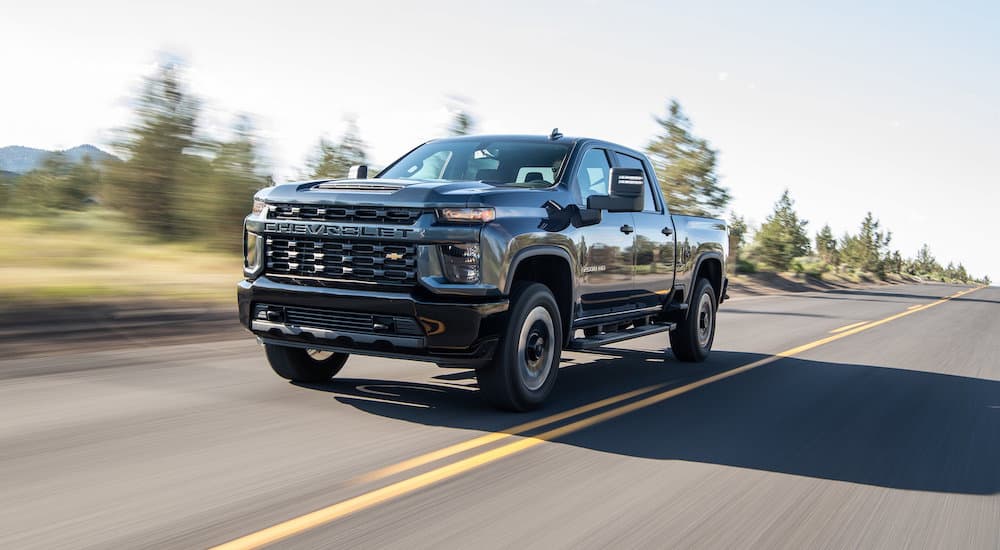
882,435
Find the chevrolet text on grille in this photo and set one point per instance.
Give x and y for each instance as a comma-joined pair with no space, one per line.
336,230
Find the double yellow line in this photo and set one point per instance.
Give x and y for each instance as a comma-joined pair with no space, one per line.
395,490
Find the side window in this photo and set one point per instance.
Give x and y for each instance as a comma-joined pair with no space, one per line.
592,176
649,200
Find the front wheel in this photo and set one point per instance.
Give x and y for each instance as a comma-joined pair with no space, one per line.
524,368
304,365
692,340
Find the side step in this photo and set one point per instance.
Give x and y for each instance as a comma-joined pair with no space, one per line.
676,306
612,337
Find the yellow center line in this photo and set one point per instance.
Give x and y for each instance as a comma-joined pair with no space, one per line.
474,443
847,327
395,490
915,306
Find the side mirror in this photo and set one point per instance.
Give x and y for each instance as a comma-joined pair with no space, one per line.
626,192
358,172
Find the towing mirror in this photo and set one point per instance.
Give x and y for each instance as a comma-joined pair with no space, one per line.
358,172
626,192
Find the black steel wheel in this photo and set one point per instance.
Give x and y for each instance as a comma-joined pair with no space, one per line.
526,362
304,365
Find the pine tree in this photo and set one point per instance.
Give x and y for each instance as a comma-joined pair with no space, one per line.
896,262
867,251
161,151
236,174
685,166
737,238
737,230
462,124
961,274
58,183
925,263
783,236
826,246
334,160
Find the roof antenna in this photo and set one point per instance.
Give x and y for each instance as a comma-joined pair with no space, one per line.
556,134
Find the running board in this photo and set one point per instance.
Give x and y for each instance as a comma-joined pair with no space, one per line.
612,337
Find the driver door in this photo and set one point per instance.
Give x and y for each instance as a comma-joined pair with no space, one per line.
606,254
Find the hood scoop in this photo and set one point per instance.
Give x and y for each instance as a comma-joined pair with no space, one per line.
360,185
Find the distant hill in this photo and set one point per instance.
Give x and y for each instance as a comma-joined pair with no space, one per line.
18,159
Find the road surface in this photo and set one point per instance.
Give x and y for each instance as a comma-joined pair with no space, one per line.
839,419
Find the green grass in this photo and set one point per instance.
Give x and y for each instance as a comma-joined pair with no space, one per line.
83,256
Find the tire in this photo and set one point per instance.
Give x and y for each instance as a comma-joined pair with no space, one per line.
692,340
302,365
526,362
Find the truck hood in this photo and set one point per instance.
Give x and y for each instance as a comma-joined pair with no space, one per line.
397,192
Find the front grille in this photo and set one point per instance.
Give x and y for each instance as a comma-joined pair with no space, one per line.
328,262
361,214
344,321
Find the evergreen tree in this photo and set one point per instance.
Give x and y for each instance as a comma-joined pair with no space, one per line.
737,230
896,263
58,184
925,263
80,185
783,236
949,272
462,124
867,251
334,160
961,274
6,184
161,152
686,167
236,174
826,246
737,238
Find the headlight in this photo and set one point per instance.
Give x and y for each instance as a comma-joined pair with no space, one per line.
466,215
460,262
252,253
258,206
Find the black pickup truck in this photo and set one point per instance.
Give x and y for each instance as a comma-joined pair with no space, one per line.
485,252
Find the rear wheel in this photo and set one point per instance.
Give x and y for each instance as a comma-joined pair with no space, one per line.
692,340
526,363
304,365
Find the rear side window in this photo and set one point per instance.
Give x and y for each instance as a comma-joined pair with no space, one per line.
592,176
649,200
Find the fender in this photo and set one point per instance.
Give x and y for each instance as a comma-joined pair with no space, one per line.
689,299
538,250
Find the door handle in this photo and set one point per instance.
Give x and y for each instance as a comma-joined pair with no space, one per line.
626,229
667,231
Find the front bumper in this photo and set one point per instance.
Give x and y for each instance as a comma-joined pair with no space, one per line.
454,332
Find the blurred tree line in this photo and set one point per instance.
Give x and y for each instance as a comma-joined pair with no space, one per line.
782,243
174,183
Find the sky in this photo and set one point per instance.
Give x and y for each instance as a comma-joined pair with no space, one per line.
852,106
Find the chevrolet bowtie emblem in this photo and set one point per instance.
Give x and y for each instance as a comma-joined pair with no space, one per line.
393,256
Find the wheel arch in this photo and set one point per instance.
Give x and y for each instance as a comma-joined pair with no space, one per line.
551,266
709,266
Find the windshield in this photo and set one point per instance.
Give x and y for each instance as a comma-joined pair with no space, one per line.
509,162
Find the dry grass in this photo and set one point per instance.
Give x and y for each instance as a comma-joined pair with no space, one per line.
86,255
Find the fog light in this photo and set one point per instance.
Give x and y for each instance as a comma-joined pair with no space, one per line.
460,262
